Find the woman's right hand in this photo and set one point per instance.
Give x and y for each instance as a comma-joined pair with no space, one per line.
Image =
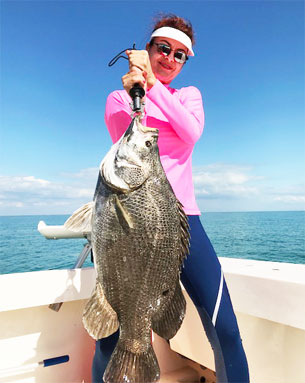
133,76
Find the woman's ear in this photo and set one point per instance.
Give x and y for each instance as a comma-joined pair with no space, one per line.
147,46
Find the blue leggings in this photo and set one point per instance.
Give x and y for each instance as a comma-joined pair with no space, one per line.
203,279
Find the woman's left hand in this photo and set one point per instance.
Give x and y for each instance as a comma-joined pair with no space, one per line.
140,59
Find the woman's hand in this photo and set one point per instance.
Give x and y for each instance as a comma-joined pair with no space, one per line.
139,70
133,76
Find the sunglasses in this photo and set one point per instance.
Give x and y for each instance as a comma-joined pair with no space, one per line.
179,56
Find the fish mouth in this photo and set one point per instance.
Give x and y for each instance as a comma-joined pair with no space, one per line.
147,129
136,124
142,128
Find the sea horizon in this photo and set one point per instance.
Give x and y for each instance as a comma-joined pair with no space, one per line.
277,236
202,212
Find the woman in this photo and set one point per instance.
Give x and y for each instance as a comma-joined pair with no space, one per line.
179,116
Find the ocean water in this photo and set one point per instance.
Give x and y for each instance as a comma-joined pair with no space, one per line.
267,236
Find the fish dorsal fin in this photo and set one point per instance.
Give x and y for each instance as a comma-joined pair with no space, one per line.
185,232
80,220
99,318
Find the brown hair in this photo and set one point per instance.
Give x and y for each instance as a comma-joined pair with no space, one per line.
174,21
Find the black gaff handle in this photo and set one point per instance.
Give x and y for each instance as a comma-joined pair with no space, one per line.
136,93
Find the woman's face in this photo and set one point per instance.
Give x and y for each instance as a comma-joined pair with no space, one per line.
165,68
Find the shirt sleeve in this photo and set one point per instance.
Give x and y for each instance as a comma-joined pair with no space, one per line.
184,113
117,115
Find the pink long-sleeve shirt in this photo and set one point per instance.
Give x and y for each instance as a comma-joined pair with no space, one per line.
179,116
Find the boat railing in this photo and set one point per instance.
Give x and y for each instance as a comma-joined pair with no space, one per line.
60,232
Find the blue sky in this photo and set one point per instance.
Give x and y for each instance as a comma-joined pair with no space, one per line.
248,64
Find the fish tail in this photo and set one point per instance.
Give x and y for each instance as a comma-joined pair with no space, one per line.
127,366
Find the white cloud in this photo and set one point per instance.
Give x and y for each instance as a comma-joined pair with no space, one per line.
35,187
8,183
229,187
11,204
223,180
291,198
88,173
31,195
218,187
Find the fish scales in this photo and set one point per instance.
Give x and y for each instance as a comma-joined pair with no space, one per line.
142,256
139,238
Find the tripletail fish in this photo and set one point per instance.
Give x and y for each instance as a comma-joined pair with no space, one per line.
140,237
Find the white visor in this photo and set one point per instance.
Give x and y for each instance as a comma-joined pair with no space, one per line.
175,34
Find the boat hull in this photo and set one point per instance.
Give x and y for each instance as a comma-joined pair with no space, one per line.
268,299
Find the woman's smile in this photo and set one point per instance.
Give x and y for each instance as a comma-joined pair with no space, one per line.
165,65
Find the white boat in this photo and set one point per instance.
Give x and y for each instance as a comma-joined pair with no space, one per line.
268,299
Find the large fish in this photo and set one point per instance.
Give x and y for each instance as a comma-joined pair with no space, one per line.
139,237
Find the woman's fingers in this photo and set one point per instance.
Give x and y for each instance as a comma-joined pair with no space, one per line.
134,76
139,59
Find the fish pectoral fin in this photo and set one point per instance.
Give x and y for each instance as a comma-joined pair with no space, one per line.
99,318
80,220
167,321
122,213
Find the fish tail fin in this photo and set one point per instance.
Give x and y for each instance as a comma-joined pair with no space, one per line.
127,366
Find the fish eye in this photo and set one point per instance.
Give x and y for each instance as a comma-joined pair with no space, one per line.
148,144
